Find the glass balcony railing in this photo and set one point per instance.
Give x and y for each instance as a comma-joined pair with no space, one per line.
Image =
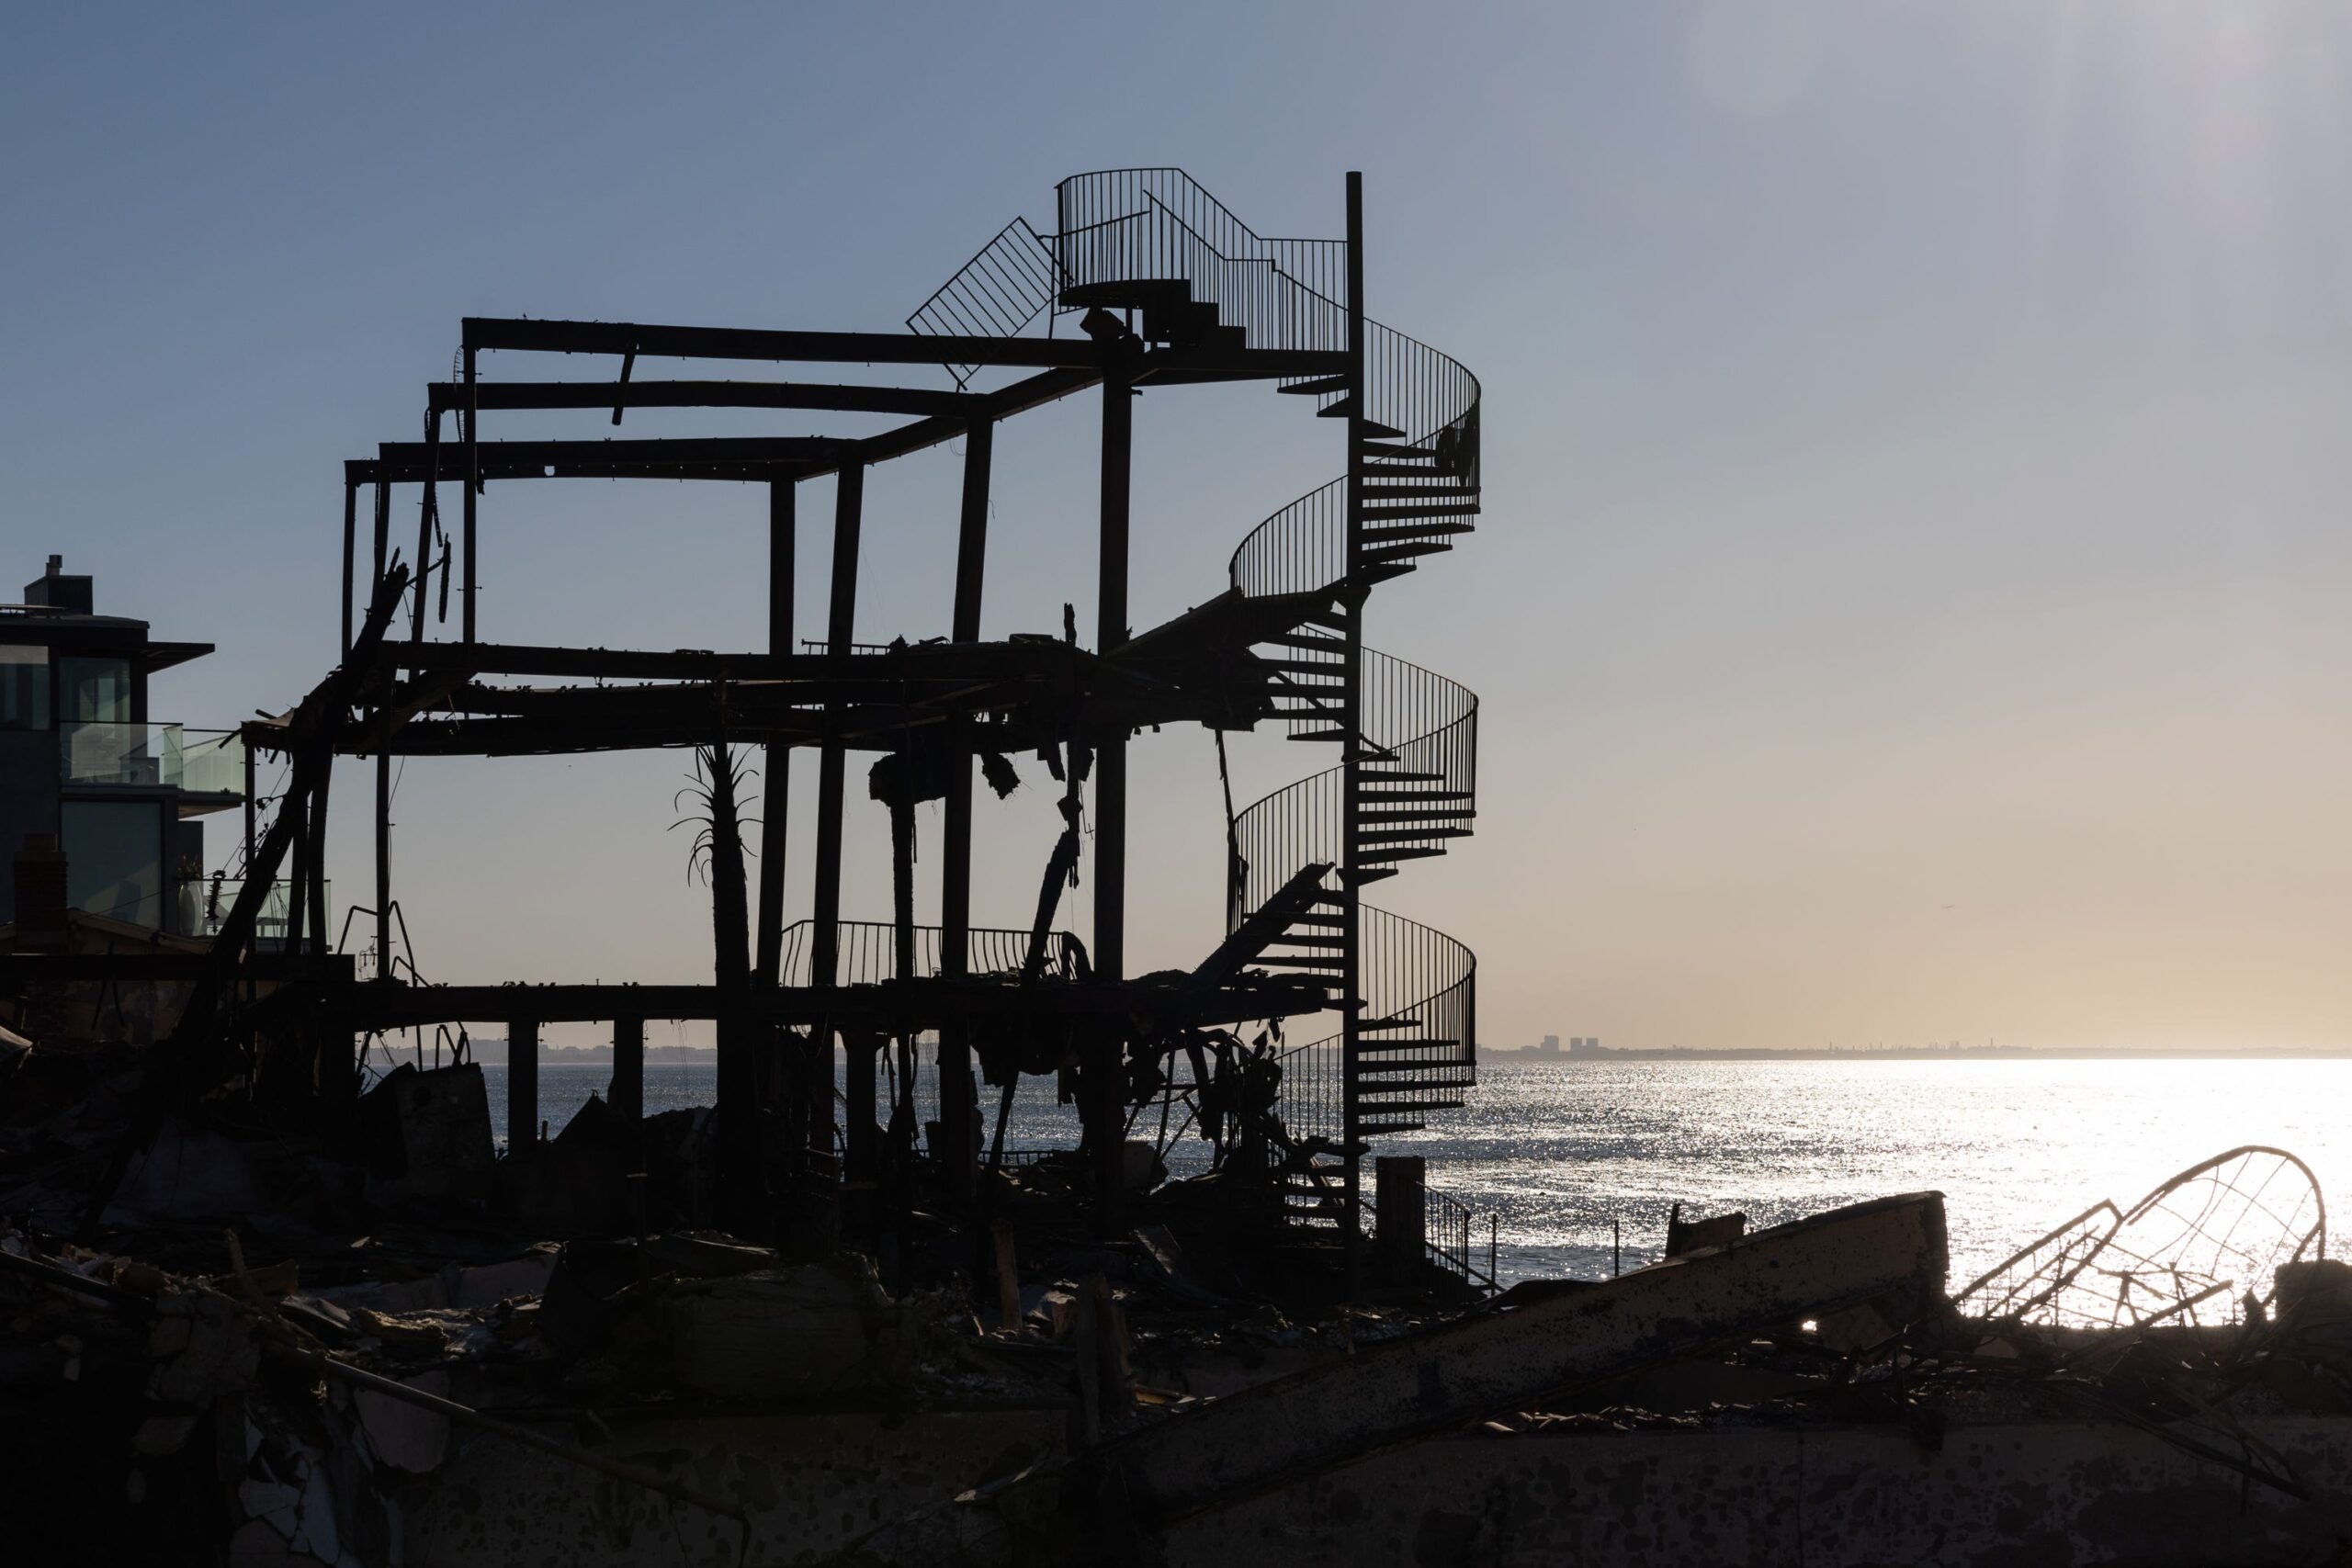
152,755
205,903
212,762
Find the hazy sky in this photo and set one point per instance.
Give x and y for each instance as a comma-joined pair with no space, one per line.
1914,601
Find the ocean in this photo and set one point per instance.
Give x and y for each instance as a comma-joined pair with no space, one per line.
1561,1152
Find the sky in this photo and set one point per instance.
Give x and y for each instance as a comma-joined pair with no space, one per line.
1912,601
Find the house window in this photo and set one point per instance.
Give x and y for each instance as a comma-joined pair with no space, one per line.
23,688
93,690
114,859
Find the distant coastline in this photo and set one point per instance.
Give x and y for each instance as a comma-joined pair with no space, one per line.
492,1054
1907,1054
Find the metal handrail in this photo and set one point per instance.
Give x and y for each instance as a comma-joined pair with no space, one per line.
1447,1226
866,952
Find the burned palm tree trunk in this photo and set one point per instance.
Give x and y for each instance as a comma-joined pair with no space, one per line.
731,962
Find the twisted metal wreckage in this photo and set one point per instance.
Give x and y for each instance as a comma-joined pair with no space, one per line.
802,1324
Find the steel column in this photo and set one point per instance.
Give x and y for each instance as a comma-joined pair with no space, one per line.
783,542
350,552
627,1095
958,1095
1351,756
473,489
383,861
860,1144
1104,1077
522,1086
424,504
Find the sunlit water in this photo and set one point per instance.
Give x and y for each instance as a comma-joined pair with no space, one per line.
1560,1151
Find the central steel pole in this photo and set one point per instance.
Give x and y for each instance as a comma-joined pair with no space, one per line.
1104,1078
1351,756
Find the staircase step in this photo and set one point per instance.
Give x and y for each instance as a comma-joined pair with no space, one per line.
1396,450
1372,427
1385,796
1293,961
1383,571
1398,1064
1383,490
1400,775
1397,555
1294,939
1417,815
1404,1094
1416,531
1372,513
1306,666
1387,857
1315,388
1373,874
1331,922
1317,735
1423,1043
1410,835
1306,641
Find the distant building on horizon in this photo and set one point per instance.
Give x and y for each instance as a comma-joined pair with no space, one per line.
1578,1045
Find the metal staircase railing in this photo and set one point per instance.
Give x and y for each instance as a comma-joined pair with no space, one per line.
868,952
998,293
1153,240
1118,225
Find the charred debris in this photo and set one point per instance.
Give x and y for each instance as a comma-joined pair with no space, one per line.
272,1288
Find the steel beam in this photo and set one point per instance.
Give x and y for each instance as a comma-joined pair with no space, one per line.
517,395
779,347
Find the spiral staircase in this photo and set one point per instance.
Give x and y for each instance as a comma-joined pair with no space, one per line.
1153,243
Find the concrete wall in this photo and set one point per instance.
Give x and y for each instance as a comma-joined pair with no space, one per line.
2049,1494
812,1482
2045,1496
28,801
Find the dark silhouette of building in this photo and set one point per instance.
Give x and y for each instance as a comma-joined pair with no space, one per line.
85,769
